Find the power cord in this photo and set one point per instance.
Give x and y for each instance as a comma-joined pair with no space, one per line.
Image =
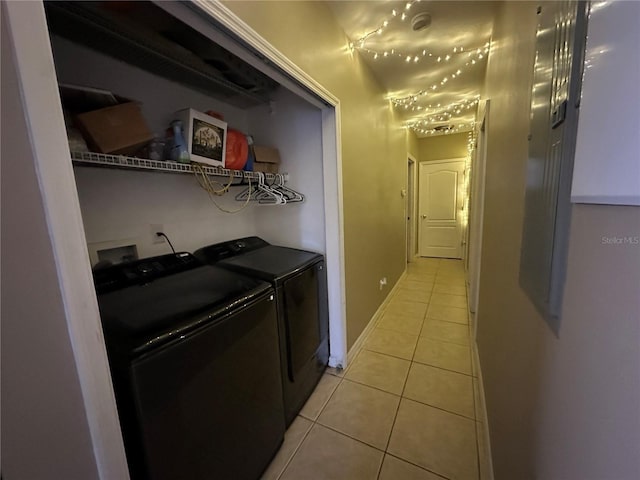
162,234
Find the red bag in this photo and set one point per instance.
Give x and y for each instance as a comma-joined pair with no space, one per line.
237,150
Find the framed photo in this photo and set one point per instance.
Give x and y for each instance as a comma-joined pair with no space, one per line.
205,135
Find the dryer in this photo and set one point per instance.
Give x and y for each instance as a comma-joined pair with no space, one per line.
299,280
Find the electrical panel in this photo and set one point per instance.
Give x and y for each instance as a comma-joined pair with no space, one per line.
560,43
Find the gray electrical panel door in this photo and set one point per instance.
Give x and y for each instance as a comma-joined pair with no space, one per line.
560,44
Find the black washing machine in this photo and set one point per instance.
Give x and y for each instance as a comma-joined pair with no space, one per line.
299,279
195,361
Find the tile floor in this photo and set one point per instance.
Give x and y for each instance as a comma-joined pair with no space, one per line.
408,406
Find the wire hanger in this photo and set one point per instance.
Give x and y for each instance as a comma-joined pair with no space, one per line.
262,193
290,195
268,195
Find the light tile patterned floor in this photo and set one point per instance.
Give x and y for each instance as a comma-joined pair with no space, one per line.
408,407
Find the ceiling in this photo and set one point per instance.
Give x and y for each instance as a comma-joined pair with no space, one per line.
434,75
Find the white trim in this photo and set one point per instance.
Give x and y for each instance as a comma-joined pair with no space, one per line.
622,200
334,234
357,345
332,167
444,160
40,97
483,410
203,19
243,31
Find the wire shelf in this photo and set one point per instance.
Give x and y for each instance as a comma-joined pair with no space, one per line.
91,159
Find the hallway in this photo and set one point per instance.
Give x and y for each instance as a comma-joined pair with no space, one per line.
408,406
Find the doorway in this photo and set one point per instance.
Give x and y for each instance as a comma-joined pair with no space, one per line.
441,199
477,210
410,208
62,246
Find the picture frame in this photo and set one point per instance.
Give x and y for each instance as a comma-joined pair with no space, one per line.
205,136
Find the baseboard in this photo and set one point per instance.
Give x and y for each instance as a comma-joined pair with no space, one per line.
355,348
483,412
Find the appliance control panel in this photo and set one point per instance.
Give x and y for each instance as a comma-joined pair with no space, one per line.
220,251
142,271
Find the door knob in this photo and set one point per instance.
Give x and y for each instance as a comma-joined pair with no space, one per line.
423,216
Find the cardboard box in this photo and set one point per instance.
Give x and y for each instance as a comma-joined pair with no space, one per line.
118,129
206,136
267,159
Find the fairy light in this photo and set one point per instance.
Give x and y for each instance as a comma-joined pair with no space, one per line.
442,58
442,129
438,113
400,14
471,140
413,98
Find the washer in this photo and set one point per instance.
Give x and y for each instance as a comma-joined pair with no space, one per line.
299,279
195,361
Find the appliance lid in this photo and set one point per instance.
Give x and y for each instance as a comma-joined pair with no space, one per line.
272,263
171,305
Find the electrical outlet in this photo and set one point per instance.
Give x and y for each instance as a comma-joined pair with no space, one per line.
154,228
383,282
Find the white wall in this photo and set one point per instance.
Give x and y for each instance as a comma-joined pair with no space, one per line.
293,125
606,167
119,207
588,407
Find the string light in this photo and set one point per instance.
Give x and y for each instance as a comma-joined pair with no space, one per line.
471,140
443,129
426,125
443,113
442,58
413,98
360,42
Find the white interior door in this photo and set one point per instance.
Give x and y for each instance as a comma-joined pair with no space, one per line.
440,208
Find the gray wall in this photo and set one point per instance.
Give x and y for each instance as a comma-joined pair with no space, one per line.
45,433
560,407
